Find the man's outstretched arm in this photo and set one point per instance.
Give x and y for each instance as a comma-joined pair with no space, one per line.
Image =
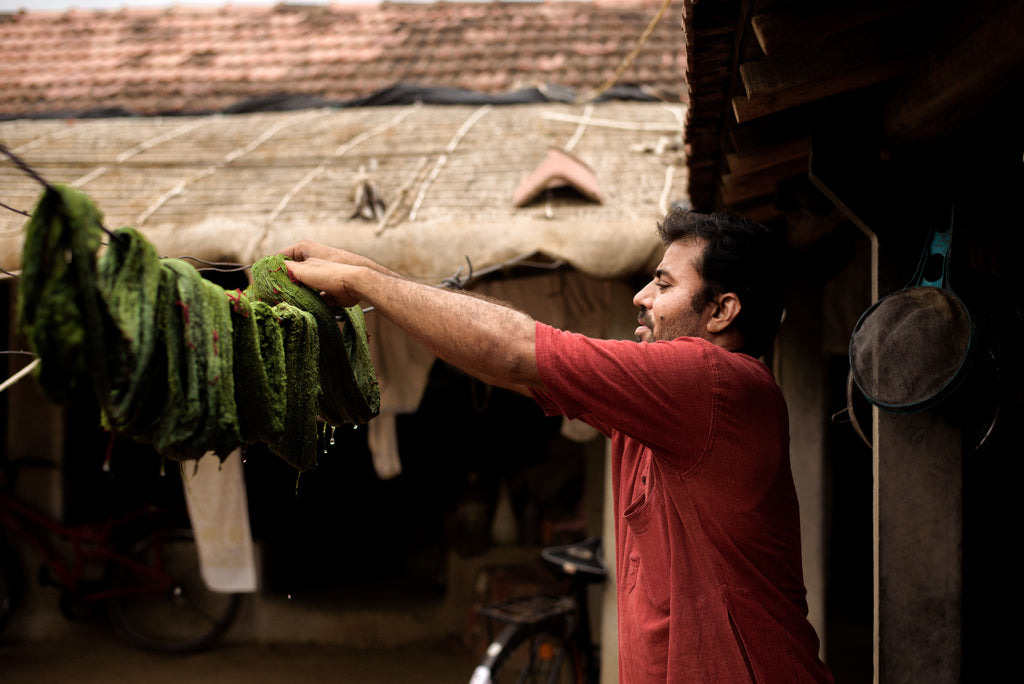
488,340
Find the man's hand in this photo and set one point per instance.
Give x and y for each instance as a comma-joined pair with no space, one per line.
490,341
329,270
307,249
331,279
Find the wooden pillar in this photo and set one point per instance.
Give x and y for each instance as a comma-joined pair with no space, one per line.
918,550
918,539
918,535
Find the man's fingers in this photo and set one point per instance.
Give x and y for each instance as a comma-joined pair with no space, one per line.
323,276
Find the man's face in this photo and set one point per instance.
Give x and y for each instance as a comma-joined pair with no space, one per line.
666,303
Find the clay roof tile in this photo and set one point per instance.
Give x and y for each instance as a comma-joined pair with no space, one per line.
239,50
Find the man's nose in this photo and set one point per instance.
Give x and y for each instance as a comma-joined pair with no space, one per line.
640,297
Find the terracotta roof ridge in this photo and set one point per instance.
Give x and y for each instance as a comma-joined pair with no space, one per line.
559,169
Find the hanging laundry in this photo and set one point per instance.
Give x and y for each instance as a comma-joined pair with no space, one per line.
175,360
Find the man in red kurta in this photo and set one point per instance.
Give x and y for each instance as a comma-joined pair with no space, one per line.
707,543
707,532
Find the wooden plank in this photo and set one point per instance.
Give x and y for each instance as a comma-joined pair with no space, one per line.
770,131
741,188
763,212
766,157
750,108
849,52
880,196
958,77
784,28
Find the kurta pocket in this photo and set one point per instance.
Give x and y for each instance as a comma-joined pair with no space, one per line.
646,519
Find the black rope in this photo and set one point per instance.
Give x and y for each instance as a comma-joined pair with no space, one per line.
34,175
16,211
25,168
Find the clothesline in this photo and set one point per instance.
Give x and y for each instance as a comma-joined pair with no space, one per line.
457,281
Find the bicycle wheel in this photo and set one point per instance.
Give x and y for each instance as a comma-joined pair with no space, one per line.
181,618
524,654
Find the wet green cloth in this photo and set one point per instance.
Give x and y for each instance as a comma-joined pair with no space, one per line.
351,393
57,298
173,359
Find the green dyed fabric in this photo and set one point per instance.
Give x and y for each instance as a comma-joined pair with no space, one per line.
173,359
129,278
57,297
181,320
258,368
356,380
298,442
351,393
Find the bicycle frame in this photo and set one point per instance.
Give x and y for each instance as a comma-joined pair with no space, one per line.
565,618
141,565
92,545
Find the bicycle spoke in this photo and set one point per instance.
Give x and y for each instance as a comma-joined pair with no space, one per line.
188,618
194,608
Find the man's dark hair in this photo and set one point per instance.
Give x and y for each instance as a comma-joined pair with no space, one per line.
739,256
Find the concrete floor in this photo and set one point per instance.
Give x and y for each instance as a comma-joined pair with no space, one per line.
91,654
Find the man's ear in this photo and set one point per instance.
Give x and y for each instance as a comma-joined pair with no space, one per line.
726,307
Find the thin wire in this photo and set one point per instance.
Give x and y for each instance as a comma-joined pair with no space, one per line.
222,266
459,282
454,282
16,211
29,171
25,168
628,60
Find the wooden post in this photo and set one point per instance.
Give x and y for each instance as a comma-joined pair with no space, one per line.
917,457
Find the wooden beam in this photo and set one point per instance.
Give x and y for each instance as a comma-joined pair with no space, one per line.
865,55
826,60
957,78
785,29
764,212
881,195
767,157
799,93
741,188
770,131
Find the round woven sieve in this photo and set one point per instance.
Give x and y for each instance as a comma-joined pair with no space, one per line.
909,346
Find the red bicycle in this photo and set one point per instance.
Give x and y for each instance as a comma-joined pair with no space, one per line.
142,566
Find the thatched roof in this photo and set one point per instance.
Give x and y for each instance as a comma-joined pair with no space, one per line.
236,187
